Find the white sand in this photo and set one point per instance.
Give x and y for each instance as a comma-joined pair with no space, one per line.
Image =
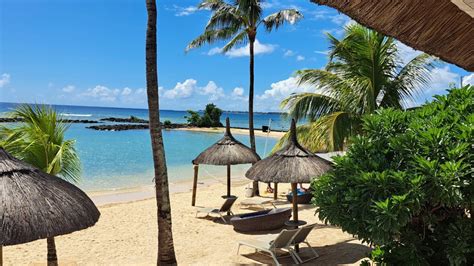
126,234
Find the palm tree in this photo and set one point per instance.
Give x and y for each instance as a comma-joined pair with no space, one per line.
166,255
365,72
40,141
239,23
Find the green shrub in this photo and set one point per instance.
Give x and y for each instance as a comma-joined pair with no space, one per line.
167,123
406,185
210,118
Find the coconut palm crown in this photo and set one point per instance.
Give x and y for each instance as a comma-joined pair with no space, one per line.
365,72
239,21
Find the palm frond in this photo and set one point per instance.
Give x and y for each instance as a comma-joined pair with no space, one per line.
40,141
309,106
238,39
275,20
329,133
212,36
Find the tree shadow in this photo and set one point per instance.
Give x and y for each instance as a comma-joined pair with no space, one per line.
340,253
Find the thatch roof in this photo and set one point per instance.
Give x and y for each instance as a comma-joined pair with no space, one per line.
437,27
36,205
291,164
227,151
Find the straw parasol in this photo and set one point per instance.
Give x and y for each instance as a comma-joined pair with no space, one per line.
292,164
227,151
444,28
36,205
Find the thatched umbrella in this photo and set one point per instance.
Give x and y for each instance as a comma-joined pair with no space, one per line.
444,28
36,205
227,151
291,164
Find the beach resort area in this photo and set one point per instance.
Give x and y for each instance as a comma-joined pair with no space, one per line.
246,132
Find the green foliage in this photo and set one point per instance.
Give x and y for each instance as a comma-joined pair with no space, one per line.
365,72
167,123
210,118
40,141
405,185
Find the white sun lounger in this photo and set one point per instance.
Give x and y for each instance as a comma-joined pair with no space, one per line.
257,201
273,243
226,206
300,238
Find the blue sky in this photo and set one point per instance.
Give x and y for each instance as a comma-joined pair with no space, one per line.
91,52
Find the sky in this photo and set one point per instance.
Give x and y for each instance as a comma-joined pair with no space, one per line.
92,53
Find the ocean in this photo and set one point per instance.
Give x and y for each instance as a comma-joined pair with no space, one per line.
113,160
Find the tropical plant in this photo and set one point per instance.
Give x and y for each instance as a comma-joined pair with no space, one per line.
166,254
365,72
210,118
40,141
405,186
239,22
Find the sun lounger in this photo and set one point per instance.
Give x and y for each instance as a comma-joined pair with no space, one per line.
272,244
225,208
257,201
300,238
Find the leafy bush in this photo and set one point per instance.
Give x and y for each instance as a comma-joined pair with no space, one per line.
210,118
406,185
167,123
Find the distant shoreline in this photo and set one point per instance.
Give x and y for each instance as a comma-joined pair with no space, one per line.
136,108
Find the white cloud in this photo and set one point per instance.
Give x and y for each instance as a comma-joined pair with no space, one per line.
69,88
181,90
238,92
441,78
288,53
406,52
215,92
284,88
4,80
300,58
468,80
102,93
339,19
259,48
126,91
215,50
184,11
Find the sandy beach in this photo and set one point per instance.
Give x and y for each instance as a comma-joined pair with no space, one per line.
237,131
126,234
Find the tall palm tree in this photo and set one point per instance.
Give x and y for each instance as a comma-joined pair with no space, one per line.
166,255
365,72
239,22
40,141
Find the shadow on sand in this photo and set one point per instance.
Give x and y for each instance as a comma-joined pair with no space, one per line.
337,254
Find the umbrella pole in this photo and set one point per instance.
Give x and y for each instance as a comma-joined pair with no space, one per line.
196,171
295,209
228,180
275,191
1,255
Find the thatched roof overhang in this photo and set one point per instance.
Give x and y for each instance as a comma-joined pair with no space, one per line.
444,28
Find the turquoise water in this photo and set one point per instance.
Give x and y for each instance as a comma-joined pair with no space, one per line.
122,159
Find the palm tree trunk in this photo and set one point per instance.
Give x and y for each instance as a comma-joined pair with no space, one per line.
52,256
256,191
166,254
